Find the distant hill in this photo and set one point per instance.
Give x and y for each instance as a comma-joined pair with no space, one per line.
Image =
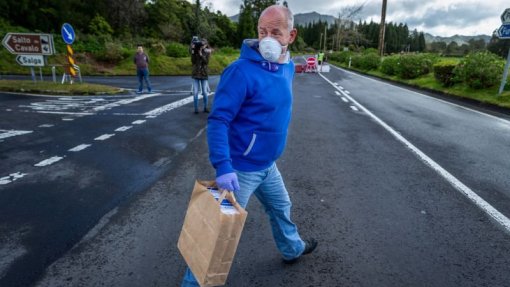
302,18
305,18
459,39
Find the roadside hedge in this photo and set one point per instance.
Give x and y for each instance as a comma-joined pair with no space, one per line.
444,72
366,62
415,65
389,65
480,70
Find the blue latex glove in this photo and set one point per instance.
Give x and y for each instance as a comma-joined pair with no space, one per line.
228,181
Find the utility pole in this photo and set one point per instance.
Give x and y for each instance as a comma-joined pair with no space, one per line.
382,28
320,43
325,37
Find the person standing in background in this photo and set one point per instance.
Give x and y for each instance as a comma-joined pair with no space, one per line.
142,69
200,52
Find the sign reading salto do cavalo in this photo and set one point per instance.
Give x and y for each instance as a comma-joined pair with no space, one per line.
29,44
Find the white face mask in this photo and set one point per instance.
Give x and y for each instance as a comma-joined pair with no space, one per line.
270,49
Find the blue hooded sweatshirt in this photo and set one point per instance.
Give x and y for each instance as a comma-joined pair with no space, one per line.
247,127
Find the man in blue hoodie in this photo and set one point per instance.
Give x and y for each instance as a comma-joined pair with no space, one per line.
247,128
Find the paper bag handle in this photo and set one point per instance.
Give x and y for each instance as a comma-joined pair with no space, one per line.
224,194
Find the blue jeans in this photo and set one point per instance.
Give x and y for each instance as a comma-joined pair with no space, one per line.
143,74
268,187
197,83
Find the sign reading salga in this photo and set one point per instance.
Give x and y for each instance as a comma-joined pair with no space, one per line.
24,43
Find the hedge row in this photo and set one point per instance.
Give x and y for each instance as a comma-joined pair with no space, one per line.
478,70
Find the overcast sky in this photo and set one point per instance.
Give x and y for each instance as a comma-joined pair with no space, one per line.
437,17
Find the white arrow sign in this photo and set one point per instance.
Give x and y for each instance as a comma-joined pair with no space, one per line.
505,17
30,60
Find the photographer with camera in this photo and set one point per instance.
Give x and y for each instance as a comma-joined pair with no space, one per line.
200,52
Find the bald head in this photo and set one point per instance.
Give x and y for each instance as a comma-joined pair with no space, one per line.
277,22
280,11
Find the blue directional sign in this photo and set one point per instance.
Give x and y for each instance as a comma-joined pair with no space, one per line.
68,33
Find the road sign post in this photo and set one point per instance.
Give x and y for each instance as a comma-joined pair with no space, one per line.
69,36
26,43
30,60
504,33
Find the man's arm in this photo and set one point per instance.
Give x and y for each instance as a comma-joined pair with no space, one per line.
229,97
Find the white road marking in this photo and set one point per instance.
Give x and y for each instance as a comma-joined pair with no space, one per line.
354,108
347,92
124,102
423,95
11,133
49,161
166,108
138,122
67,119
80,147
123,129
492,212
338,93
46,126
104,137
66,113
11,177
345,99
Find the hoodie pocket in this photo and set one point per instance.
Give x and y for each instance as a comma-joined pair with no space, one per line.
265,146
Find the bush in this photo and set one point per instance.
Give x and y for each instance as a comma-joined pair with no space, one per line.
341,57
177,50
112,53
480,70
366,62
413,66
389,65
444,72
227,51
158,48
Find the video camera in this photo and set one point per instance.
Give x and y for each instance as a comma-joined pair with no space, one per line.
196,45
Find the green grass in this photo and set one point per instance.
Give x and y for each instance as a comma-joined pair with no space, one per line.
57,88
160,65
461,90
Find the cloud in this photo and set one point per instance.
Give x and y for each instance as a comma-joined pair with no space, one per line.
442,17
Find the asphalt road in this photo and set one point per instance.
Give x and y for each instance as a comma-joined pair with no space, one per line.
399,188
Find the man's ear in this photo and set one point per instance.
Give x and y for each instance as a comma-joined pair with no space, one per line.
293,35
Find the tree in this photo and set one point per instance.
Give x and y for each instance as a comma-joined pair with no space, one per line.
127,16
344,23
498,46
99,26
246,26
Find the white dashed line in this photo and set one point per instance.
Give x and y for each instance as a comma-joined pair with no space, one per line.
138,122
80,147
104,137
49,161
347,92
354,108
11,133
123,129
338,93
492,212
345,99
67,119
65,113
423,95
166,108
46,126
11,177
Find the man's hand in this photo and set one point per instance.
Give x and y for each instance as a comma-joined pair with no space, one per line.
228,181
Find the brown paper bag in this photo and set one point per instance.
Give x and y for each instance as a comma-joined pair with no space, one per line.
209,238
